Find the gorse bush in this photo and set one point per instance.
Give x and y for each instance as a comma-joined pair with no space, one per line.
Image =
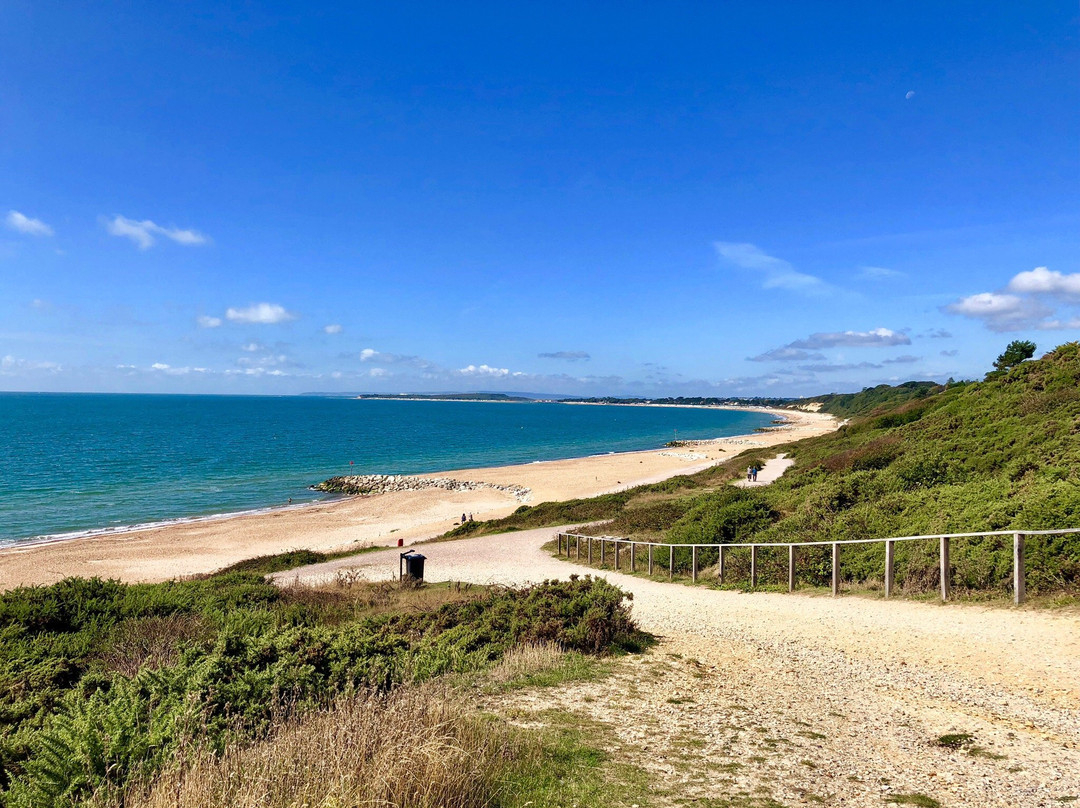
90,703
917,458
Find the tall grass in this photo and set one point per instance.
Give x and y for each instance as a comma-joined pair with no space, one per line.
416,746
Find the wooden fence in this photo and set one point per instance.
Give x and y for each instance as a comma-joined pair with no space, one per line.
617,545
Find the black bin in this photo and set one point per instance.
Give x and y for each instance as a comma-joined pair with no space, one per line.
413,563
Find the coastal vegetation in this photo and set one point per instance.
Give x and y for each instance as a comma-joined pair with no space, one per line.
116,694
919,458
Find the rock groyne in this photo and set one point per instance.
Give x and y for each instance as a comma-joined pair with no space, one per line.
369,484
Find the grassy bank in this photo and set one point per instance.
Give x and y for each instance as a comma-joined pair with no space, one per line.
104,687
1001,454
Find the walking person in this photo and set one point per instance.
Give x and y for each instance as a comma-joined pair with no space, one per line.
749,473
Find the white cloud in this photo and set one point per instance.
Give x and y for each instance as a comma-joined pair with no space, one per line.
776,273
254,371
24,224
10,365
205,321
906,359
1029,301
261,313
568,356
786,354
1042,281
833,368
376,373
169,370
1001,312
802,350
384,358
1059,325
880,273
485,370
266,361
333,328
875,338
909,94
143,232
987,304
251,347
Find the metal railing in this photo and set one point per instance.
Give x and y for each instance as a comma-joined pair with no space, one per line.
943,539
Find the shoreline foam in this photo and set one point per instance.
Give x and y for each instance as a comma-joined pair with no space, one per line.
200,544
133,522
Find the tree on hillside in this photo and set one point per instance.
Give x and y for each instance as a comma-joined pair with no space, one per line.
1015,352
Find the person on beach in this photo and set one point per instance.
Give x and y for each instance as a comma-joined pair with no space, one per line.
462,518
749,473
755,471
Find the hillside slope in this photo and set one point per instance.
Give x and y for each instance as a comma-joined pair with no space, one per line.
999,454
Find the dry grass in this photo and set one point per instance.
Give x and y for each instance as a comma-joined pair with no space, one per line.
526,660
418,746
153,642
348,596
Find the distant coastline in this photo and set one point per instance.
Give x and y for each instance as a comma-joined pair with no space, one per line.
159,549
208,458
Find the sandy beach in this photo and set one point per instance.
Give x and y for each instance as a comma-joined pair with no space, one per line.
196,547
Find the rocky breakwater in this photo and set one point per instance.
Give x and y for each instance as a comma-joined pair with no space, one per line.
368,484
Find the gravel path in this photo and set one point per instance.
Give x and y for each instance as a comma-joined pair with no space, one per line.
803,698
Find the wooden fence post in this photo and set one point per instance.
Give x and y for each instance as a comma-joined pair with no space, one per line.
753,566
835,569
577,549
791,568
650,559
671,562
590,551
890,567
633,544
720,565
1019,587
693,564
944,558
616,555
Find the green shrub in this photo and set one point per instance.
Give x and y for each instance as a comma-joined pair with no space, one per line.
73,723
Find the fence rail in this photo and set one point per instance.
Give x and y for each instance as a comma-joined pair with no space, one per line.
944,541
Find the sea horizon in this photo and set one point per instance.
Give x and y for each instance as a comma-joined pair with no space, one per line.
86,464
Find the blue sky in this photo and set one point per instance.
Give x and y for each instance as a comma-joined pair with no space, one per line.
586,198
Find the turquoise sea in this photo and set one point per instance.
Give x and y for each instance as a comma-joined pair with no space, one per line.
77,463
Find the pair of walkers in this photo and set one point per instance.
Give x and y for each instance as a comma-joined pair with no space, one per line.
751,474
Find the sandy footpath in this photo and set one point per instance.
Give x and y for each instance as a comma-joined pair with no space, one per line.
204,546
808,700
